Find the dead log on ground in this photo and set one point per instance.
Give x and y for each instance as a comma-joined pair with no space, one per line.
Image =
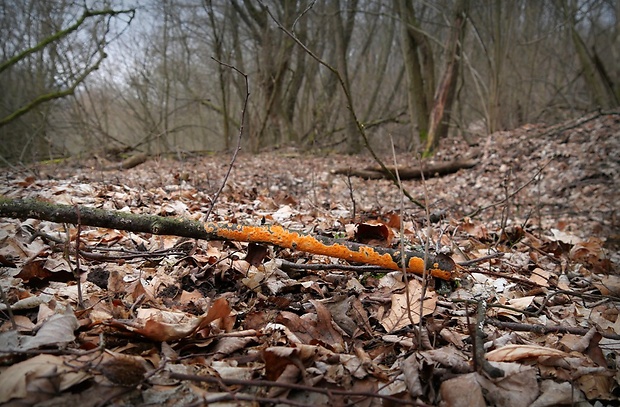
407,173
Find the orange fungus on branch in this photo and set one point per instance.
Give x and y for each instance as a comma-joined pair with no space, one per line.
350,251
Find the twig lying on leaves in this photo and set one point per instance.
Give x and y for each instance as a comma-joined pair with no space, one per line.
439,266
514,193
481,259
546,329
292,386
8,308
130,256
507,276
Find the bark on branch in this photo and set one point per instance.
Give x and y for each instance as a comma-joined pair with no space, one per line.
439,266
407,173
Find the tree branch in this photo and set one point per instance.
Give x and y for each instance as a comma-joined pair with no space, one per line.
60,34
439,266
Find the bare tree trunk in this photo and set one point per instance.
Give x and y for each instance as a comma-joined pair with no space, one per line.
383,57
274,67
343,28
444,97
419,65
219,54
594,73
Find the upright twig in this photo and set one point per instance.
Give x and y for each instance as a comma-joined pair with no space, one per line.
514,193
426,245
77,271
483,365
401,233
241,126
9,311
67,254
349,183
505,211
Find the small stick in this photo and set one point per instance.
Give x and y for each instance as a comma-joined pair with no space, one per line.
5,300
77,272
481,363
241,126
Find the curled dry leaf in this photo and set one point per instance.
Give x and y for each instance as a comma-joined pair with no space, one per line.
407,312
22,379
56,331
163,326
124,370
511,353
609,285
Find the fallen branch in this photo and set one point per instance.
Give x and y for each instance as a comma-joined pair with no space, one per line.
292,386
407,173
547,329
133,161
439,266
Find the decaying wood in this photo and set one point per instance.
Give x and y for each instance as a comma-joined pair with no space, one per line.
129,162
439,266
133,161
409,172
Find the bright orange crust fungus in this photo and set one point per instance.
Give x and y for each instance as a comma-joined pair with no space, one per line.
350,251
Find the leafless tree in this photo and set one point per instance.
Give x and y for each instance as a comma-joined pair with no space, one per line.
49,49
413,69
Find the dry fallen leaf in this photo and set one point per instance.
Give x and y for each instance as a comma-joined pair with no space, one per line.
162,287
25,378
404,312
462,391
58,330
511,353
124,370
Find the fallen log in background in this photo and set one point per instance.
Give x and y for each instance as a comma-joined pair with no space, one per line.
406,173
438,266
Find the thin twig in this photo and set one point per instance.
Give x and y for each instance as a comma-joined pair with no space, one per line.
547,329
303,13
77,270
130,256
401,232
506,198
9,311
577,123
481,259
291,386
480,361
288,265
349,183
241,126
427,243
507,276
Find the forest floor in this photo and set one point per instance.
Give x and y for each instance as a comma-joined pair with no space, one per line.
172,321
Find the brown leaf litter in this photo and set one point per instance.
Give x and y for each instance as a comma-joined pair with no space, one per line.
173,321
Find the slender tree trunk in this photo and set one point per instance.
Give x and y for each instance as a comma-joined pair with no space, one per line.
594,73
444,97
344,22
412,48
